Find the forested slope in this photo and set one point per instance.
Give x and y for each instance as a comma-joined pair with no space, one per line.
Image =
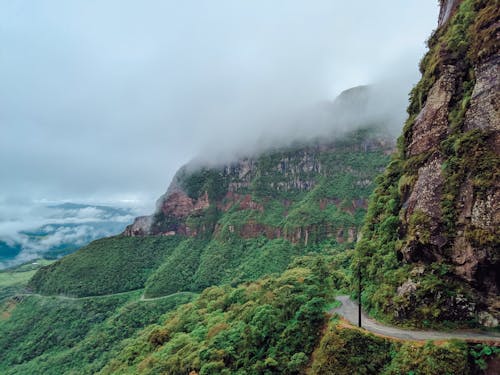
234,223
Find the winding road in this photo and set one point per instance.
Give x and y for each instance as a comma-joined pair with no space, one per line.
349,310
142,298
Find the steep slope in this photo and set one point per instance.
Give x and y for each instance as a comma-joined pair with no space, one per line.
234,223
50,335
430,250
224,225
216,225
105,266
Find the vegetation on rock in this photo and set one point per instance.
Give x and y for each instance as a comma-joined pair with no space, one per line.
419,228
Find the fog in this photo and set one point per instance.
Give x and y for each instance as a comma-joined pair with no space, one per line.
32,230
101,101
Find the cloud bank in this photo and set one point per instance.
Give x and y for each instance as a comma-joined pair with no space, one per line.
29,232
101,101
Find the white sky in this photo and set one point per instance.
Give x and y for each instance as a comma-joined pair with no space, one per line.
101,101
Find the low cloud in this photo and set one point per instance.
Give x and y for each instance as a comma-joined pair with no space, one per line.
102,101
37,229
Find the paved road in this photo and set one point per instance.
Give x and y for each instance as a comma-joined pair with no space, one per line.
163,297
349,310
63,297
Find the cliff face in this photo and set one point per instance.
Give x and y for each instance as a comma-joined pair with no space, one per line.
443,184
264,196
448,7
232,223
251,217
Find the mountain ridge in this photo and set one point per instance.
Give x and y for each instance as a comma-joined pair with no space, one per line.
262,298
214,225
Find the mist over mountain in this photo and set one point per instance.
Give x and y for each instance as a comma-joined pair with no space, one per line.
113,89
56,230
356,108
302,238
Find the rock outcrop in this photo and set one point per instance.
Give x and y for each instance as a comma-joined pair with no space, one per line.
431,124
444,182
261,194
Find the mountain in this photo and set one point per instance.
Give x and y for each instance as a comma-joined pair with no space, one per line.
260,235
430,250
233,223
58,230
237,270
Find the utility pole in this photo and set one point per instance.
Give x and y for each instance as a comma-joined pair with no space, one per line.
359,294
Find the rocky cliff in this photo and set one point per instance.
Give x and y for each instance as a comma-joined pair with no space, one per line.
265,193
225,224
436,213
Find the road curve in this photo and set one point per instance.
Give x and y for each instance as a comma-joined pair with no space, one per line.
349,310
142,298
69,298
163,297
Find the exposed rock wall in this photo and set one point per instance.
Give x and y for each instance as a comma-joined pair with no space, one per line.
446,176
431,124
199,197
477,207
140,227
483,112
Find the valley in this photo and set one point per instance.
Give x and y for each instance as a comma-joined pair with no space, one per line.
251,265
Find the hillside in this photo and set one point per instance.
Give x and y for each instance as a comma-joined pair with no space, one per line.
430,251
238,269
233,223
237,234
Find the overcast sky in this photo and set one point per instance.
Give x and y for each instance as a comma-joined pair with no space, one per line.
101,101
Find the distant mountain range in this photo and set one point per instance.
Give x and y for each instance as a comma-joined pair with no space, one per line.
66,228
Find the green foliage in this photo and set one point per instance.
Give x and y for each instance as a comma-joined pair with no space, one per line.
235,241
468,155
197,264
269,325
265,326
484,42
350,351
51,324
237,260
481,352
208,180
106,266
203,222
177,271
471,157
448,45
430,359
419,227
73,336
14,280
347,350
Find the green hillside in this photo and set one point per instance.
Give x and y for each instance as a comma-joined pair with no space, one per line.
106,266
293,201
14,280
237,270
50,335
308,199
261,327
